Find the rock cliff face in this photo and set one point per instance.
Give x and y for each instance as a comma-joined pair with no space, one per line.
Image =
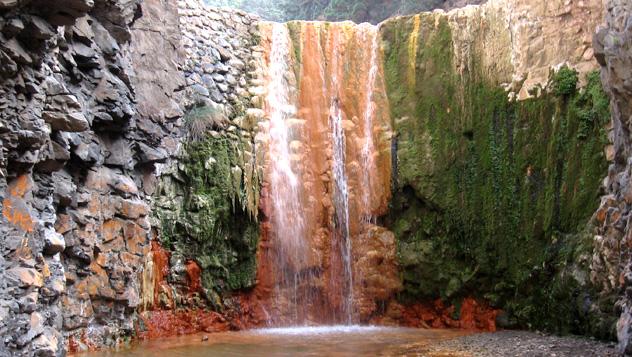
74,208
206,205
135,175
94,97
611,263
506,169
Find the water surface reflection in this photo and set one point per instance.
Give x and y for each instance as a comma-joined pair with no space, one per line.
301,341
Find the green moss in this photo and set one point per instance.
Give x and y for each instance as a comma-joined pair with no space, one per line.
294,28
491,196
214,223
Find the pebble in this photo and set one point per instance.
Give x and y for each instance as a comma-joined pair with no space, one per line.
524,344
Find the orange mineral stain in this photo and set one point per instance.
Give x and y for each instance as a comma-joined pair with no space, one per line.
14,209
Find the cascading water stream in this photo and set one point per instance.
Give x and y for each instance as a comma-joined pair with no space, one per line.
285,187
342,237
341,204
368,148
325,179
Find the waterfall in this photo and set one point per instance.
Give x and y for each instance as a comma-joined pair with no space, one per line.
368,164
326,177
285,184
342,239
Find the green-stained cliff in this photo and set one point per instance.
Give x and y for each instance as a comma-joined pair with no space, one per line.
209,215
492,196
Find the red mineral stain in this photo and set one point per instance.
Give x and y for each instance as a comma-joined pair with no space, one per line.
161,271
160,324
194,276
474,315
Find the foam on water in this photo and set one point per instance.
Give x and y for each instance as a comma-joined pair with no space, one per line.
323,330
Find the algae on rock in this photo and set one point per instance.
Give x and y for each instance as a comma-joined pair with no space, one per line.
215,221
492,195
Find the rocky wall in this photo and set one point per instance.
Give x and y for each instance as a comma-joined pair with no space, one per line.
206,204
94,97
500,127
611,263
132,166
74,225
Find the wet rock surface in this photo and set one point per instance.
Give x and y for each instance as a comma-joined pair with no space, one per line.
206,203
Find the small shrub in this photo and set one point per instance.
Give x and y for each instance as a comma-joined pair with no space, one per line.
565,82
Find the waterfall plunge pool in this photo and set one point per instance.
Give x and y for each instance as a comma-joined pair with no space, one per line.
297,341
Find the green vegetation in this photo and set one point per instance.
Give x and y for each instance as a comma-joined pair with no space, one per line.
215,223
492,196
565,82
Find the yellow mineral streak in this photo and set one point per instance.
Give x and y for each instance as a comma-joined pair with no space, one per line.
413,42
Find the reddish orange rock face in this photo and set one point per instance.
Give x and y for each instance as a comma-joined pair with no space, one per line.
174,323
160,272
473,315
194,276
14,209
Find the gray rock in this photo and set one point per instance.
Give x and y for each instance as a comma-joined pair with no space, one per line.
53,242
7,4
84,55
71,122
120,154
90,153
151,155
39,29
66,11
208,68
104,40
64,189
8,67
218,78
222,87
230,79
200,90
53,157
13,27
54,87
82,30
13,48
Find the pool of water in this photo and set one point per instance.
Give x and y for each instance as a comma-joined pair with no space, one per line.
297,341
